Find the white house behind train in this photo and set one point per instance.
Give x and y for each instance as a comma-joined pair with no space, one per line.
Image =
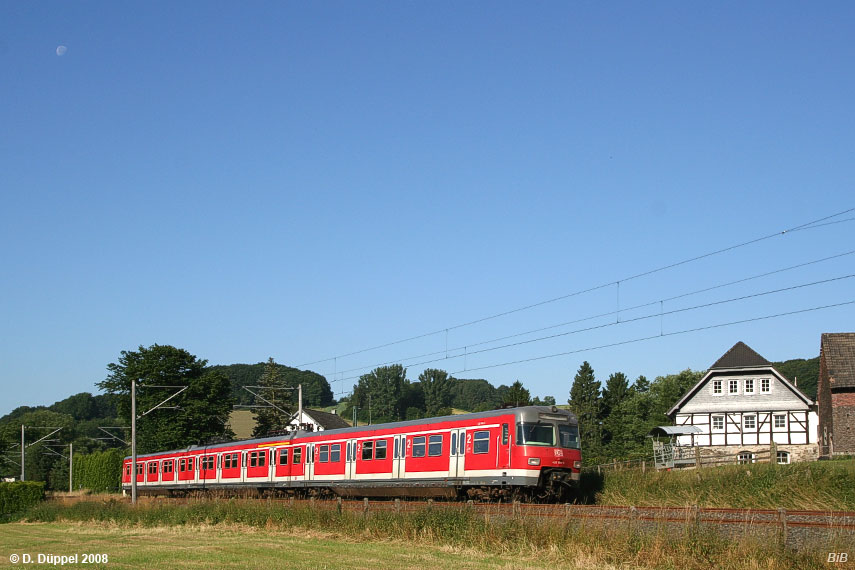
742,405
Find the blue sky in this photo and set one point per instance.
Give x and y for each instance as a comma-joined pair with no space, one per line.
306,181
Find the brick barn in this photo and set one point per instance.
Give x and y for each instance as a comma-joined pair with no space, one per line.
836,394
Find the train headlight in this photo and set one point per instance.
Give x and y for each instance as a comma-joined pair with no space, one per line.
534,460
577,465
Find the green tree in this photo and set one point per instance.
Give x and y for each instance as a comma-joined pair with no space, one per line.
474,395
274,401
585,403
617,388
436,387
517,395
380,395
203,408
642,384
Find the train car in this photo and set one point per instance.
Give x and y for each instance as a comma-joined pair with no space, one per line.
528,453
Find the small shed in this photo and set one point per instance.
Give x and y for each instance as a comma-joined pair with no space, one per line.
667,451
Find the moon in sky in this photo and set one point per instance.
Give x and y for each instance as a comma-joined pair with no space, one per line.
60,50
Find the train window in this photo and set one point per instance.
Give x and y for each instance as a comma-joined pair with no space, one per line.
380,449
253,459
298,455
536,434
454,443
262,458
191,464
347,452
481,442
335,453
367,450
505,434
128,469
139,468
569,436
325,453
168,466
207,463
396,449
152,468
419,446
435,446
283,456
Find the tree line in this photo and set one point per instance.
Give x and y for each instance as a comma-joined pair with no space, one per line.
614,416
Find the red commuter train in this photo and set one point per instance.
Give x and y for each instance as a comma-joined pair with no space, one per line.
529,453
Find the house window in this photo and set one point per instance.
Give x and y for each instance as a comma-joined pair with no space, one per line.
718,422
419,446
749,385
780,420
716,387
783,457
435,445
733,387
750,422
745,457
481,443
765,385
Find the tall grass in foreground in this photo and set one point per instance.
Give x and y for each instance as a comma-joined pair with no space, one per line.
821,485
566,542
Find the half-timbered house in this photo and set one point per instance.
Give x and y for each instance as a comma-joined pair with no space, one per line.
743,405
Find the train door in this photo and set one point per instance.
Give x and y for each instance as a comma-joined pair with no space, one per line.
310,462
350,457
399,456
457,452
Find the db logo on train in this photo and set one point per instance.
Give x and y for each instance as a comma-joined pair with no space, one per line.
559,453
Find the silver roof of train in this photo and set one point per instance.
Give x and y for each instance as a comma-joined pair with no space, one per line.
524,414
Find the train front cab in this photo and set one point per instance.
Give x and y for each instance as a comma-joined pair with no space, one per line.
546,442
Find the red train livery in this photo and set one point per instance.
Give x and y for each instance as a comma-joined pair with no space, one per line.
528,453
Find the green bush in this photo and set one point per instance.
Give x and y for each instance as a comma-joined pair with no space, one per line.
99,471
19,496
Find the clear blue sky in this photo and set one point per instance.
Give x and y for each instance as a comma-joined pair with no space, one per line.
304,180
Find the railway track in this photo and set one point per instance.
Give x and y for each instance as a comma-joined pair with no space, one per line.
833,520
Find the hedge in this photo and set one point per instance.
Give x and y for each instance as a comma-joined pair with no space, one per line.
99,471
19,496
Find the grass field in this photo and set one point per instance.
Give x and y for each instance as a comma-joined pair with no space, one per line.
250,534
240,547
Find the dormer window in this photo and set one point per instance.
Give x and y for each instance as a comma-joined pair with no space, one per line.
749,385
766,385
716,387
733,387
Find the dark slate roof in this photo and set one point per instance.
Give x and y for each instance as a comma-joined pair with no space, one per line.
839,352
327,420
740,356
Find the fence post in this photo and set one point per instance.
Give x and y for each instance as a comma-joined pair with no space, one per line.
397,505
365,505
773,452
517,509
338,504
782,518
698,461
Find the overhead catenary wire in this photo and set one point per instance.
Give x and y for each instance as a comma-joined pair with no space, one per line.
668,334
628,321
807,225
660,314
